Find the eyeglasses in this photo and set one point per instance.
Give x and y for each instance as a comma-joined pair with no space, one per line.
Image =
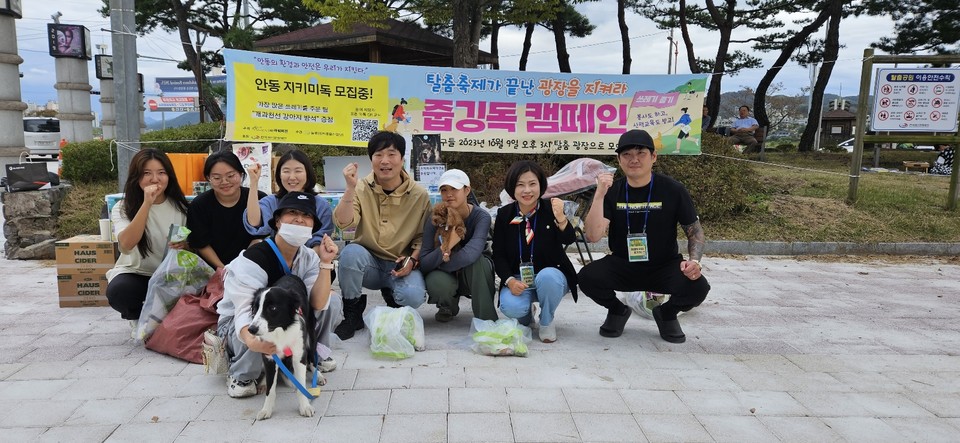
231,177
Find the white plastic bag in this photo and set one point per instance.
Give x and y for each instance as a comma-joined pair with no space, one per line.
180,272
501,337
395,333
643,302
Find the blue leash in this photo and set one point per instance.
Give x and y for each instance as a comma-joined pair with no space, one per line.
296,383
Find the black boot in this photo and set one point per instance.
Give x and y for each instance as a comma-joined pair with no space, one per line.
352,317
387,294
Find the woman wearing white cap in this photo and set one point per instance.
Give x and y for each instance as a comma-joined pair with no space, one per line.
465,269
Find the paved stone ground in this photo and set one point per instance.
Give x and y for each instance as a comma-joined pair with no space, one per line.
782,350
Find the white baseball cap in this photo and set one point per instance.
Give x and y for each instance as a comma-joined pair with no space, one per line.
454,178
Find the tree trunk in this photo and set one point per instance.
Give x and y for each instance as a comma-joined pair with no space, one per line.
725,29
791,45
494,43
830,52
462,31
476,28
624,36
183,28
688,42
527,42
560,39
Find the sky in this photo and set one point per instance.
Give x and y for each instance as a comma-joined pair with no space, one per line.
598,53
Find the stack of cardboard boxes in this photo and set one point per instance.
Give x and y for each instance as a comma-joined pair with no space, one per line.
82,264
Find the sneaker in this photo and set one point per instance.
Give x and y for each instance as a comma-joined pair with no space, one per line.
446,313
534,316
548,333
328,364
241,388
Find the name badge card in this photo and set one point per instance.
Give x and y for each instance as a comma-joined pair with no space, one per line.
637,249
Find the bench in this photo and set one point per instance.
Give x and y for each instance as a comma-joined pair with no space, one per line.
918,165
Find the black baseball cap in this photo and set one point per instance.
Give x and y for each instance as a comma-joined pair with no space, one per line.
635,138
300,201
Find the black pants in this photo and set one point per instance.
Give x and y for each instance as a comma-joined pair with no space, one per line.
126,293
599,280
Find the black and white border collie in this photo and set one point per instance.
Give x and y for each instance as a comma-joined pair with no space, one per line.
282,316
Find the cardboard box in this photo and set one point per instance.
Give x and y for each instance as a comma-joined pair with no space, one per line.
85,252
82,289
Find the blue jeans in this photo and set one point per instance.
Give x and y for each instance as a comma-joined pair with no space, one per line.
550,285
360,269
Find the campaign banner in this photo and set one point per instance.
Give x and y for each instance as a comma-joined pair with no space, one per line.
168,85
289,99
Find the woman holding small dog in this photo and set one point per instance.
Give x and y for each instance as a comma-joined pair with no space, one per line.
529,241
152,202
258,267
452,255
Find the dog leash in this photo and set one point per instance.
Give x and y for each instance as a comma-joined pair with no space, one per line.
311,393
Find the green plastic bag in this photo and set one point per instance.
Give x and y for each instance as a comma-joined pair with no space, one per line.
395,333
503,337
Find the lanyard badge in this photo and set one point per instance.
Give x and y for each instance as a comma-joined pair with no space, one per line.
638,249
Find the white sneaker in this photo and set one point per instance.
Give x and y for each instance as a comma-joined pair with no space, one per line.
241,388
534,315
328,364
548,334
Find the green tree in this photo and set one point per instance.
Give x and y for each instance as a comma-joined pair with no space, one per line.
831,49
724,18
222,19
919,25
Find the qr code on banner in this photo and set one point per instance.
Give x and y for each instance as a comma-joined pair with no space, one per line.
363,129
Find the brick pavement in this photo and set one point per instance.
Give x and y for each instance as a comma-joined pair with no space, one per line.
782,350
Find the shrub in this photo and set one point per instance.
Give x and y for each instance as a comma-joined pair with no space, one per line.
96,160
719,184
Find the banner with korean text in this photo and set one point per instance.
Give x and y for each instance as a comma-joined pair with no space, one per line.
289,99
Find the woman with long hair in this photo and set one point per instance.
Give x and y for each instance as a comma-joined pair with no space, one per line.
152,202
215,218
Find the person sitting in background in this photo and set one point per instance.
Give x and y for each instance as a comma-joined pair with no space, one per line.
152,201
705,122
215,218
461,268
743,129
944,163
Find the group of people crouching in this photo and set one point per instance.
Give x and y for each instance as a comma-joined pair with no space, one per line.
396,248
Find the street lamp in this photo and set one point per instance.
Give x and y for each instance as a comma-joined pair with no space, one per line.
672,56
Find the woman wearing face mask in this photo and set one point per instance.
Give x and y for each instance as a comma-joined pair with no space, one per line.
152,202
215,218
260,266
529,241
294,173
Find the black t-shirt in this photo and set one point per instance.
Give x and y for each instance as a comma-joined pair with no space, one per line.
670,204
212,224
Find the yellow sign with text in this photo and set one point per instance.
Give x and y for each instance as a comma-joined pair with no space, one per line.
306,108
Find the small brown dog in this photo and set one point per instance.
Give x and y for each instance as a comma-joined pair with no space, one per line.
447,222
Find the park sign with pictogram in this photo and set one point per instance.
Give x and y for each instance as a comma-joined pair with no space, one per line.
916,100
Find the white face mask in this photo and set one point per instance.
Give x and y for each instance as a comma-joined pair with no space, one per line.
295,235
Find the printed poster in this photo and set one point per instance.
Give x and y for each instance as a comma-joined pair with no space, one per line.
281,98
253,153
